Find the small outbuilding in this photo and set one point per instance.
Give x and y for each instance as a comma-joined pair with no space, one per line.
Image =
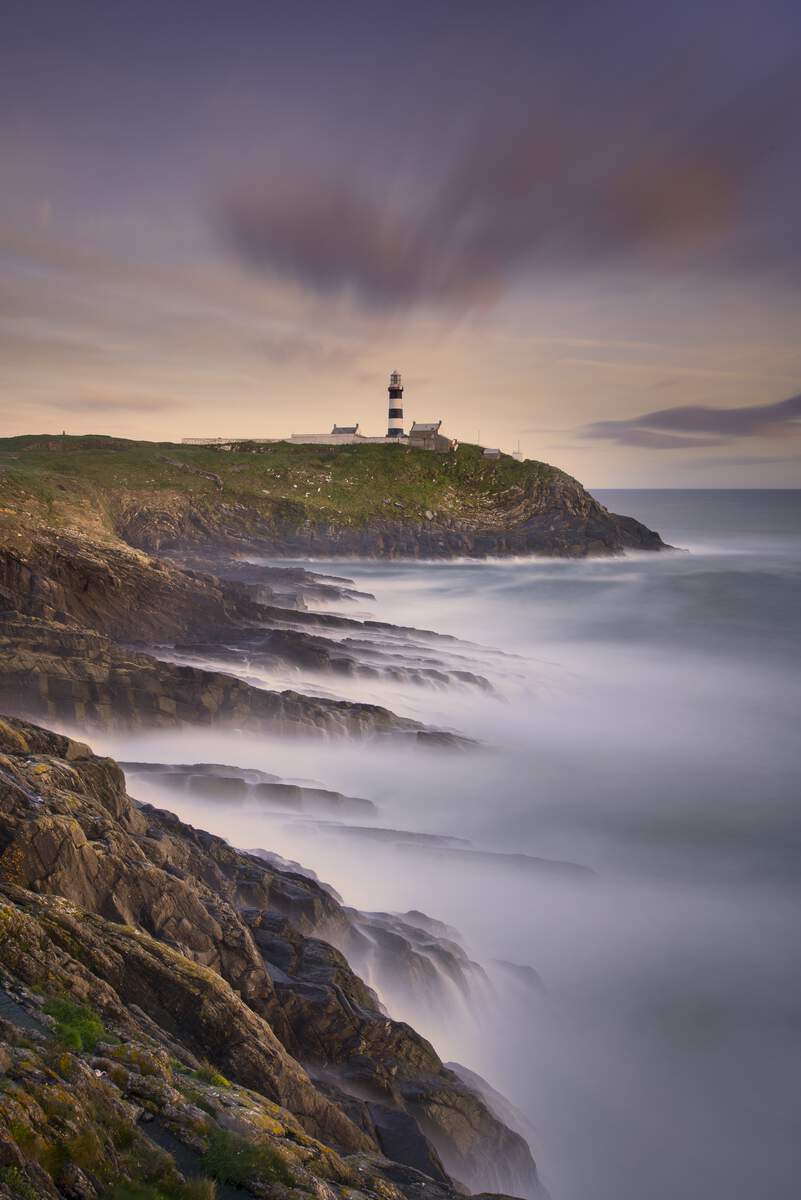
425,435
350,430
491,453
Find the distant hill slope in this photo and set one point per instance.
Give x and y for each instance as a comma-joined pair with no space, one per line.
376,500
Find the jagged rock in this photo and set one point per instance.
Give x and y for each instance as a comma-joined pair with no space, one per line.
283,502
81,1117
53,670
221,782
523,972
226,956
69,602
112,589
288,585
124,594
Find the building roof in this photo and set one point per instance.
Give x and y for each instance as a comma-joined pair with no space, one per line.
425,426
345,429
489,452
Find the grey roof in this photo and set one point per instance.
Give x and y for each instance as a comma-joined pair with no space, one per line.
345,429
425,426
490,453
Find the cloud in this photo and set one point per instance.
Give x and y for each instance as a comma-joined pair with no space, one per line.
334,239
743,460
114,404
292,348
494,216
560,190
694,426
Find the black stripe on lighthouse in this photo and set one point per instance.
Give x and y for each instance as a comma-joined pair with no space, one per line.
395,427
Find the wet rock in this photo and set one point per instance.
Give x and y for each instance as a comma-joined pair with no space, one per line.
69,602
502,860
400,1139
53,670
173,935
524,973
393,658
229,783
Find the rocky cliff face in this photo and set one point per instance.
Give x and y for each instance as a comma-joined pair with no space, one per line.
559,519
175,1012
82,599
220,1009
75,675
74,609
113,589
350,500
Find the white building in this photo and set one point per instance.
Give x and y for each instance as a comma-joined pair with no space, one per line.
350,435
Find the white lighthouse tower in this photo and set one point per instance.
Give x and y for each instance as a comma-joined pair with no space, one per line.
395,429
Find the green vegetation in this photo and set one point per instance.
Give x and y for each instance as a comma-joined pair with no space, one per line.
281,483
192,1189
209,1074
18,1183
84,1150
233,1159
77,1026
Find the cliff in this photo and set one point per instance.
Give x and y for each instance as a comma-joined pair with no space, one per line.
179,1018
174,1012
89,631
382,501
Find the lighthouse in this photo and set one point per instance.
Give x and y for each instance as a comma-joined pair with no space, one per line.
395,429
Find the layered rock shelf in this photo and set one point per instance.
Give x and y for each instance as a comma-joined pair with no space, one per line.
209,988
169,1004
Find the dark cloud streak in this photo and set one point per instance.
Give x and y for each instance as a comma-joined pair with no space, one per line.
648,185
696,426
109,405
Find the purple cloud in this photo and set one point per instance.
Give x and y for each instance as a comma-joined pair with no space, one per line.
536,196
694,426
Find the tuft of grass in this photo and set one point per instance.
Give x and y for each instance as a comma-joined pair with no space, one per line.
18,1183
198,1189
207,1073
190,1189
123,1136
233,1159
77,1026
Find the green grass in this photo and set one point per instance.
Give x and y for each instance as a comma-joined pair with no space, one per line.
192,1189
234,1159
17,1183
283,483
209,1074
77,1026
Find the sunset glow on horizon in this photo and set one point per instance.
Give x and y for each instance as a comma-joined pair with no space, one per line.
572,227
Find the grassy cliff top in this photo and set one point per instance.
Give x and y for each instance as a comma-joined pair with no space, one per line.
93,478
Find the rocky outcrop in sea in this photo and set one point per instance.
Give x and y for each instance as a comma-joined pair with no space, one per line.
112,637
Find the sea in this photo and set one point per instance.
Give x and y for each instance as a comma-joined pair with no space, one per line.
620,852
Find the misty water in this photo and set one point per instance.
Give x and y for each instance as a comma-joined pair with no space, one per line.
644,726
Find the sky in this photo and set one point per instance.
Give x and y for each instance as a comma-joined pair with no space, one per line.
571,225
